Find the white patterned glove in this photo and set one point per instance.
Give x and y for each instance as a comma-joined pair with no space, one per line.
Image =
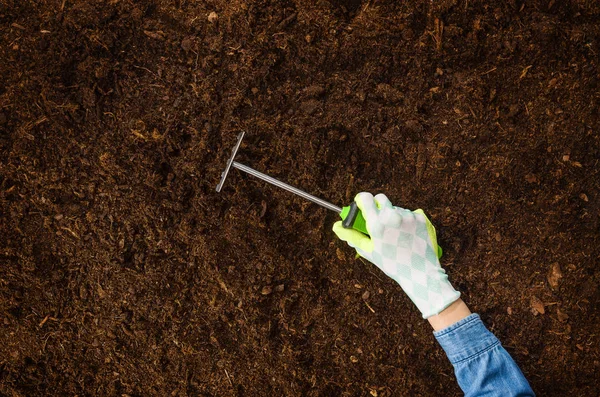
403,244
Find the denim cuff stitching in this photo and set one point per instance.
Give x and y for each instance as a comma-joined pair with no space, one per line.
477,354
465,322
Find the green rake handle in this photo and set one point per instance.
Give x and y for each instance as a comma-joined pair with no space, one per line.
352,218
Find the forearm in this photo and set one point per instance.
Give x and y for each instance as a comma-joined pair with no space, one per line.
482,366
450,315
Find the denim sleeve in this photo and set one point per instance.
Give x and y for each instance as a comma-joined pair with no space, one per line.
482,366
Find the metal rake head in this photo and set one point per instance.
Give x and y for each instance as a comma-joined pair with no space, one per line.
230,162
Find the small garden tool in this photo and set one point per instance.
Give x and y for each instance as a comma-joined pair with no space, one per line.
351,215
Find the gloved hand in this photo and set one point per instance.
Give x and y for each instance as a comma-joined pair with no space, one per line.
403,244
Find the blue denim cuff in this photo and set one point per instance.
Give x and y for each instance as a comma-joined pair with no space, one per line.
466,339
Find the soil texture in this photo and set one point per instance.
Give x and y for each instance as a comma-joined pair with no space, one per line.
123,272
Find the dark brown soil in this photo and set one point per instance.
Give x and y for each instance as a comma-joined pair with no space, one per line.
122,271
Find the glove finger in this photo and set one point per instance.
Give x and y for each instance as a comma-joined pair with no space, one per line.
431,232
368,207
382,201
353,237
390,216
366,204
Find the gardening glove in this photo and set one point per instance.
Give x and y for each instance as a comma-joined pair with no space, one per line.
403,244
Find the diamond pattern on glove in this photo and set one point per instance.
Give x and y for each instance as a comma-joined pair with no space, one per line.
404,250
421,292
391,236
405,240
403,271
418,263
388,251
433,285
430,255
376,257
